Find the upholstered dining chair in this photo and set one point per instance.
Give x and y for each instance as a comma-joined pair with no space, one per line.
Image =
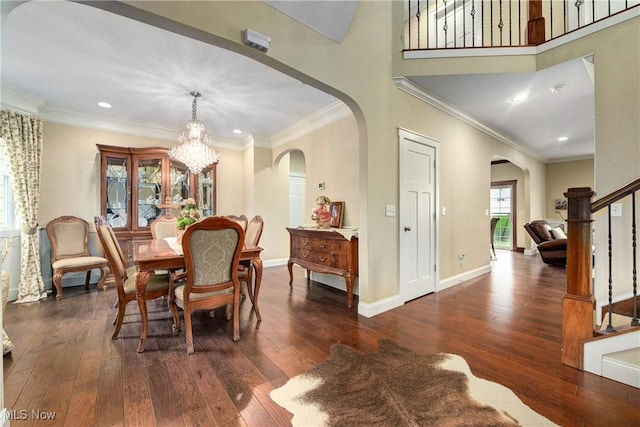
212,249
251,238
164,226
125,278
69,236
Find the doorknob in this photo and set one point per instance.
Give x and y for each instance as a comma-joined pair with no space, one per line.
407,228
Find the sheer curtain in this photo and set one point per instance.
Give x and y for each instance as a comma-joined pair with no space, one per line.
22,136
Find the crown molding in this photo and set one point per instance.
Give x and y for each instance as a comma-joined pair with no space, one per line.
411,88
321,118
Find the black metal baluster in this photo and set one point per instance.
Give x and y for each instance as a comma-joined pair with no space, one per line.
446,26
491,22
435,23
634,321
418,19
551,19
455,24
409,15
473,23
519,22
510,26
464,24
501,22
579,4
610,325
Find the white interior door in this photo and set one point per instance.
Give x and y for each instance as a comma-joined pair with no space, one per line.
417,215
296,199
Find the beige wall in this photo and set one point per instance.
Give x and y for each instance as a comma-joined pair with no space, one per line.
330,156
564,175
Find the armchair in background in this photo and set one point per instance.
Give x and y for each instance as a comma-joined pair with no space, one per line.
552,242
69,236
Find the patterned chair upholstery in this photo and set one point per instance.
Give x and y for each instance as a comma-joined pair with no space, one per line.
212,249
69,236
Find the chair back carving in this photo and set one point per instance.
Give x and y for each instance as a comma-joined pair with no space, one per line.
164,226
240,219
253,231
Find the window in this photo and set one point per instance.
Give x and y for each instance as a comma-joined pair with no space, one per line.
9,219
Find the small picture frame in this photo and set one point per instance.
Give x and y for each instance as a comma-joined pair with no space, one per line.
337,213
560,204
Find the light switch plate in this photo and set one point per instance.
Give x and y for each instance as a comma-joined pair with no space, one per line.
390,210
616,209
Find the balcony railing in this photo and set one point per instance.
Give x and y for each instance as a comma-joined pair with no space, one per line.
452,24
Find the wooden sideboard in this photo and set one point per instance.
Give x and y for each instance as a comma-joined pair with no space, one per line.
324,251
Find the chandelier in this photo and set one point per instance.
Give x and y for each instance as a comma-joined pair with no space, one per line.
195,149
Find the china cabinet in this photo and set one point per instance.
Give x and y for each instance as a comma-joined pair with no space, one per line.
137,183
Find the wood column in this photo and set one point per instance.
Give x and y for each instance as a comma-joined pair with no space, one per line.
535,26
578,304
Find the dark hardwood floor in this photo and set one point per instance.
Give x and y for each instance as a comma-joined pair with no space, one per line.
506,324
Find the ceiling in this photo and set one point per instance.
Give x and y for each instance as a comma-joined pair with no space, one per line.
65,57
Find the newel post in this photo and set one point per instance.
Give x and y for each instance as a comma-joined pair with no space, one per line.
535,25
578,303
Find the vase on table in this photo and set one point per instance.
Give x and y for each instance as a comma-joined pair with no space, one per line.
179,234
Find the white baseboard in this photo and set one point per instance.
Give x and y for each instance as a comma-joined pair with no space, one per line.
463,277
595,350
275,262
623,366
386,304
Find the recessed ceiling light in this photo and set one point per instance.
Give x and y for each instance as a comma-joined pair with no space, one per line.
563,138
237,131
520,97
557,88
104,104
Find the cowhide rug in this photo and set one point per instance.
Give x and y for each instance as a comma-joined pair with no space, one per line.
396,387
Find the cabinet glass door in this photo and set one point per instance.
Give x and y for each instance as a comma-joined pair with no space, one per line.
149,191
179,177
117,212
205,192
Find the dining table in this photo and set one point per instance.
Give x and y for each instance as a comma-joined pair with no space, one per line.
167,254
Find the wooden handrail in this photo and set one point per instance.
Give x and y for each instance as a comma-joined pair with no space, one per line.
615,196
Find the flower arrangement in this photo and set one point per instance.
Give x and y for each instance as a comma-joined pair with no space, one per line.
189,214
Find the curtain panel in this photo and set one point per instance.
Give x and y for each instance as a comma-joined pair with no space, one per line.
22,135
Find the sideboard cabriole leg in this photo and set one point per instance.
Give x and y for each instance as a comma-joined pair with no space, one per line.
290,267
348,281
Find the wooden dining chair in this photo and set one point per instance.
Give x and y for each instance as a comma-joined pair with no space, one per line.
69,236
125,278
251,239
212,249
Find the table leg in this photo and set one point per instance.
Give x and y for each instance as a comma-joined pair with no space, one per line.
141,289
257,265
